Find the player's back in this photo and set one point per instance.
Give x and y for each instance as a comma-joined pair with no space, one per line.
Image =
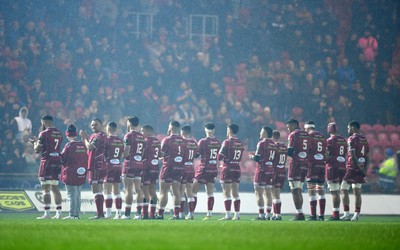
136,141
317,148
114,149
281,155
231,151
173,149
151,152
359,144
190,151
208,149
299,141
337,148
266,149
51,140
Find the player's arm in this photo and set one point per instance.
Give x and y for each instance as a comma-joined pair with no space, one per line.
37,144
290,152
256,157
127,147
85,140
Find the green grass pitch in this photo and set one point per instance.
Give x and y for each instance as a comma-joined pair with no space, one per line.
23,231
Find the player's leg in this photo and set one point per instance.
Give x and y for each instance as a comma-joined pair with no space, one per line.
153,199
312,194
296,190
46,200
190,199
268,201
57,199
345,200
277,204
321,200
97,189
210,199
259,192
334,188
117,199
236,199
128,188
226,193
146,200
182,187
195,190
358,200
137,181
108,199
164,189
176,192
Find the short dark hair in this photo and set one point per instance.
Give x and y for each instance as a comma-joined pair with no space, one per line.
310,122
175,124
268,129
293,121
209,126
112,125
148,128
234,128
47,118
276,135
97,120
186,129
133,120
354,124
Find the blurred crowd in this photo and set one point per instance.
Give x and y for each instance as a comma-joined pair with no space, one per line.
270,60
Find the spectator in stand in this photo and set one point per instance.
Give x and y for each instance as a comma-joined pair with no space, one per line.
24,125
347,74
369,45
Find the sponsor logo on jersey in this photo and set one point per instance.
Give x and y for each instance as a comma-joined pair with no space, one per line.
318,157
15,200
361,160
340,159
137,157
81,171
114,161
302,155
269,163
154,162
178,159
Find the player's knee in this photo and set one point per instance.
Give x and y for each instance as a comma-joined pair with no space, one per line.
333,187
345,186
294,185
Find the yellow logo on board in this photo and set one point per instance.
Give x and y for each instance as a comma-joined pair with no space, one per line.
15,200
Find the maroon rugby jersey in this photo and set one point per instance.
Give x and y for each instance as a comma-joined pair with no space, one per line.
74,158
359,145
298,140
96,157
231,152
317,148
173,147
266,149
151,152
337,148
208,149
51,140
190,152
136,141
114,150
281,155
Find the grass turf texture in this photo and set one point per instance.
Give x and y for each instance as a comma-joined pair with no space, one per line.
23,231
